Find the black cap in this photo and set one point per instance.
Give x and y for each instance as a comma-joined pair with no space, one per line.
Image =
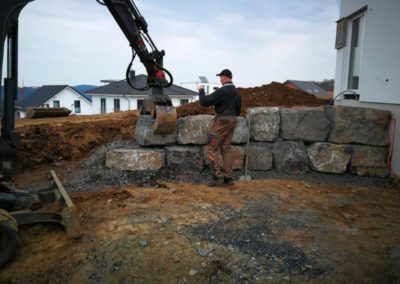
225,72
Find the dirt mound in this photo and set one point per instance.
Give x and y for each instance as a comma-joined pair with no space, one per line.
52,140
274,94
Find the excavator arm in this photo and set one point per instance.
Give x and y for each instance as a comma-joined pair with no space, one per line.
135,29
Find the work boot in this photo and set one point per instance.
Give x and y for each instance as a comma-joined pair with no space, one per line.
228,180
214,181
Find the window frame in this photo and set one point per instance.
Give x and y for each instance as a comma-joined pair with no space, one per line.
103,105
117,105
350,52
77,109
139,103
183,101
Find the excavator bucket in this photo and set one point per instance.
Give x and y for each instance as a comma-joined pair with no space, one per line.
41,112
165,120
164,113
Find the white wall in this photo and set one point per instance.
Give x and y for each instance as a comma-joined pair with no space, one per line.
380,75
379,85
67,97
127,102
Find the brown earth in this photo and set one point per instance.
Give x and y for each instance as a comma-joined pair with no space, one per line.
273,94
263,231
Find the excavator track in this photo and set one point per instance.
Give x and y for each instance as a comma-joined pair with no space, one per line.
8,237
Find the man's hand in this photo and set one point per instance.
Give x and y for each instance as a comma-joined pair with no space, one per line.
200,87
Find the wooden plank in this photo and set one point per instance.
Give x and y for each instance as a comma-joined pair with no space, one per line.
63,192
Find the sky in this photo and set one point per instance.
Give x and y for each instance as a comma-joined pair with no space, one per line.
78,42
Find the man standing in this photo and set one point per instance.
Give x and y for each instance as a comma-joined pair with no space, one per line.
227,103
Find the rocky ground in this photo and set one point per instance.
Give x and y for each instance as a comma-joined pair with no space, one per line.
168,227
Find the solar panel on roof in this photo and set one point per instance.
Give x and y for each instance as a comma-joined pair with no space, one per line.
203,79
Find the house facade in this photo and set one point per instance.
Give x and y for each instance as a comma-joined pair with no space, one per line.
56,96
367,66
119,96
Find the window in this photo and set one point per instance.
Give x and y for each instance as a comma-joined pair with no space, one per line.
184,101
140,104
103,108
77,106
117,107
356,46
56,103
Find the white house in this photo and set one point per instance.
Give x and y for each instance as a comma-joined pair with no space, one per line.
56,96
119,96
368,65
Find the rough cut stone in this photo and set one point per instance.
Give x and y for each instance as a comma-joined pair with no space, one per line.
290,157
260,157
135,159
307,124
369,161
193,129
185,159
329,158
358,125
264,123
238,155
145,135
394,261
240,134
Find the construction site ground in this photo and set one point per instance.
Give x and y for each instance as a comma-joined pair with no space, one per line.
169,227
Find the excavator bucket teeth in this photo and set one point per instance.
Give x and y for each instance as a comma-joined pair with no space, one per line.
165,120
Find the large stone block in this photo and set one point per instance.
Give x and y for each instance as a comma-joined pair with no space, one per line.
260,157
394,262
193,129
145,135
240,133
238,155
329,158
307,124
135,159
358,125
264,123
290,157
369,161
185,159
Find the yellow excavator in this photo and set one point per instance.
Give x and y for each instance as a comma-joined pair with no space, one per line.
157,104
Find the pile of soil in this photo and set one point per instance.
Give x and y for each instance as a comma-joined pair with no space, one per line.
48,141
273,94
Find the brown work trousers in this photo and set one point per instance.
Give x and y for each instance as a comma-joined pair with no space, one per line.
220,138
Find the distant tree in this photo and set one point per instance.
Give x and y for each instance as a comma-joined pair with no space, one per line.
327,84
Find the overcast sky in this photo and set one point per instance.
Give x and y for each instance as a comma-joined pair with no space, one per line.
78,42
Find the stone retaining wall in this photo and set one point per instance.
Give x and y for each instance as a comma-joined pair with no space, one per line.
334,139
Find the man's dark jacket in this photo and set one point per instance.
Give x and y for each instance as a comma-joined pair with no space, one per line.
227,100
